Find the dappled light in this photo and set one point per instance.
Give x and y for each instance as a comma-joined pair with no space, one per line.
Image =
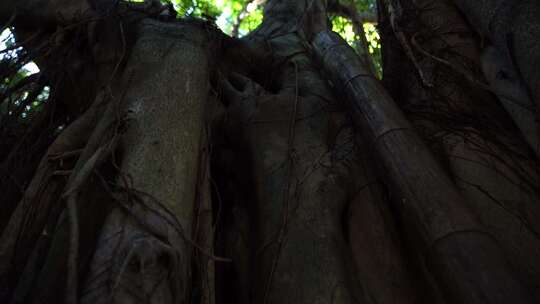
24,99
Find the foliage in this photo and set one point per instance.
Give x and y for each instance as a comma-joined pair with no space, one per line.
244,14
247,13
14,58
344,28
196,8
374,45
365,5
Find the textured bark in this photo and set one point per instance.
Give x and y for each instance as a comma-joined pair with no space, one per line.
301,164
357,20
143,250
386,276
31,13
28,223
451,236
474,140
284,146
513,28
506,83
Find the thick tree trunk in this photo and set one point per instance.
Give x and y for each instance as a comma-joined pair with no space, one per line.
143,250
465,126
296,156
451,236
276,168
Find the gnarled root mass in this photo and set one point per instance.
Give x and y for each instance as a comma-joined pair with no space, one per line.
186,166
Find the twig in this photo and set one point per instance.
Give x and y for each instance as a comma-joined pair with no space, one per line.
240,18
466,74
400,35
122,55
516,214
61,156
62,172
134,195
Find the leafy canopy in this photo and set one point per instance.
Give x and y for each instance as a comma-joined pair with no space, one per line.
240,16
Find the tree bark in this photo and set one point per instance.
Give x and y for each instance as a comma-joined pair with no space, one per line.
144,244
477,143
275,168
440,220
512,28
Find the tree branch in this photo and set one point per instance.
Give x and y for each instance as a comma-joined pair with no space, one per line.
358,19
350,12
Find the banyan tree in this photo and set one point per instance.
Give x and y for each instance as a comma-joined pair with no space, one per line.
156,159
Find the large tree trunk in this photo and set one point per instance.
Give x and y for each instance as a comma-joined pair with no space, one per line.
199,168
142,251
477,142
